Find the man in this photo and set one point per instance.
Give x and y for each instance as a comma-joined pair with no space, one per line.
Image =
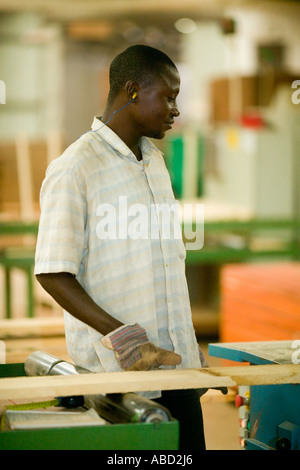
125,297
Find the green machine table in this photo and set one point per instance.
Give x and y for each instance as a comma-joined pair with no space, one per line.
131,436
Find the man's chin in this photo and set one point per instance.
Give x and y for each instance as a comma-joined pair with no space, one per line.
158,135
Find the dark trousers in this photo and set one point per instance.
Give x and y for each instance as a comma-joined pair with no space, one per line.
184,405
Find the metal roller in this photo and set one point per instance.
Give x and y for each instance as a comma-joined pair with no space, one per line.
115,408
42,363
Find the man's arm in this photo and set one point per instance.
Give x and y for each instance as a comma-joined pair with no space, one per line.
71,296
129,342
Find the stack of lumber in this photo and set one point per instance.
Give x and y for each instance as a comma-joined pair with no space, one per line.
22,336
260,302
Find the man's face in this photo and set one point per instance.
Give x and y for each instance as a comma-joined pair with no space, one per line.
156,105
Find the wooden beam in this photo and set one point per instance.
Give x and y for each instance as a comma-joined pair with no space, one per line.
28,327
18,349
23,336
122,382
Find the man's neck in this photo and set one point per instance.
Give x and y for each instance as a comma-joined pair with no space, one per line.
121,125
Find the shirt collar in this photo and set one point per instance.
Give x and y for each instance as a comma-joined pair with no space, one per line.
110,136
146,146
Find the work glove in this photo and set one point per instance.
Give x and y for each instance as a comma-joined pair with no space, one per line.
134,351
204,364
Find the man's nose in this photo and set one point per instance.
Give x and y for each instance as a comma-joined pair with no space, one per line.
175,110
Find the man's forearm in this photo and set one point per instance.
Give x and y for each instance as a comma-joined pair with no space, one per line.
71,296
131,352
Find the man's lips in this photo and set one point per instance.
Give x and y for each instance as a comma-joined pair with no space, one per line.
169,124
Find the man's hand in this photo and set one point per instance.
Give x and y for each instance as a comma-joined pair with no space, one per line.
133,350
152,357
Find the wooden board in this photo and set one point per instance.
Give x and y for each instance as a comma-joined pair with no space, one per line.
17,350
23,336
31,327
123,382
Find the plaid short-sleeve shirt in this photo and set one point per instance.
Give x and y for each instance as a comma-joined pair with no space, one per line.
94,199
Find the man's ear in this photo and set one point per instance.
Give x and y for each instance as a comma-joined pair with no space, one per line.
131,89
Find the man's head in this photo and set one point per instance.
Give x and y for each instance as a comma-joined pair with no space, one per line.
152,78
139,64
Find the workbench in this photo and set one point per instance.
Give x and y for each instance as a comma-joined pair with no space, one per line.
131,436
16,387
269,414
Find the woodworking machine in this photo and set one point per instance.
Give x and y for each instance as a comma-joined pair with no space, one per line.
134,422
269,415
115,407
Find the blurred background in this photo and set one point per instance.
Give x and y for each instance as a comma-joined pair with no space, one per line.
235,149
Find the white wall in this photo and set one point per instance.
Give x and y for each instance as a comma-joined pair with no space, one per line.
209,54
273,24
31,58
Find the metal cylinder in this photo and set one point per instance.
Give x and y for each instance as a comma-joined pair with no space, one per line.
40,363
114,407
127,408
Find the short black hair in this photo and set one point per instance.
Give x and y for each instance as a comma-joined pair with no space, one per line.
140,64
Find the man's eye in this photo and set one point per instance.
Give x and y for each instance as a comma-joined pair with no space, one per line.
171,98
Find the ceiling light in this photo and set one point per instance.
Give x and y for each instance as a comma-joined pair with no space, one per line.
185,25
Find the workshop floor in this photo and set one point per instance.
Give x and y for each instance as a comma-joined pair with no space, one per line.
219,412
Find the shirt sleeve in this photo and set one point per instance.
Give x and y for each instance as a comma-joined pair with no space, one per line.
60,242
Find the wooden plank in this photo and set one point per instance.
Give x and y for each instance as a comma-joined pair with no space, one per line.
122,382
28,327
18,350
22,336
